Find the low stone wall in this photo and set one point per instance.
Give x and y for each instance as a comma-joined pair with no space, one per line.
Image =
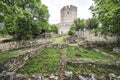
14,63
20,44
110,45
8,68
88,63
67,76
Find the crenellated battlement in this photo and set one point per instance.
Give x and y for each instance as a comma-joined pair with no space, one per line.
69,7
68,14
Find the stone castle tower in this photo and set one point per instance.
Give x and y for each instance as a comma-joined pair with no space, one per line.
68,14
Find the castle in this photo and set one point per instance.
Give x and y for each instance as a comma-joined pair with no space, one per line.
68,14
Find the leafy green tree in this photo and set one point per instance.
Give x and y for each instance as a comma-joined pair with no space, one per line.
71,31
92,23
23,19
108,13
52,28
79,24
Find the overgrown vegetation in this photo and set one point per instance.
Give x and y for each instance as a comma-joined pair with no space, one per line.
84,54
7,55
48,60
107,12
99,70
45,62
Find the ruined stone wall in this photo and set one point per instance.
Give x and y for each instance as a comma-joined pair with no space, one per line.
14,63
20,44
89,36
63,28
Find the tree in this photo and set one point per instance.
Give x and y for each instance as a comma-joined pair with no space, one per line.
23,19
78,24
92,23
71,31
108,13
52,28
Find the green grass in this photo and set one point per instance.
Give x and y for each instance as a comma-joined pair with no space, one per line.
14,53
45,62
117,55
58,39
48,60
85,54
101,71
7,55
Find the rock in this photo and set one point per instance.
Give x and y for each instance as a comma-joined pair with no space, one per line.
68,74
93,77
19,76
116,49
9,75
112,76
118,78
52,76
81,77
37,76
2,68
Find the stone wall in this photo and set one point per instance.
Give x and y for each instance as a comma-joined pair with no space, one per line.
88,35
8,68
20,44
14,63
94,44
63,28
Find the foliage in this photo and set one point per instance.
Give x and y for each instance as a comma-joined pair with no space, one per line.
52,28
108,13
71,31
92,23
99,70
7,55
78,24
45,62
23,19
85,54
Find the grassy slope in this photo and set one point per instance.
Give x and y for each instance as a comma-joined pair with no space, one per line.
45,62
58,39
117,55
85,54
7,55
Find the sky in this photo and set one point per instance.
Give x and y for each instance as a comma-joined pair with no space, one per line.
54,7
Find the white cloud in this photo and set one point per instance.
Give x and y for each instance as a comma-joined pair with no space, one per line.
54,7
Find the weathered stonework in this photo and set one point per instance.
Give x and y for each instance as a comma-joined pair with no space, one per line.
20,44
68,14
14,63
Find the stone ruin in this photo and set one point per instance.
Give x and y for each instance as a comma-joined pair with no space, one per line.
22,44
9,67
68,14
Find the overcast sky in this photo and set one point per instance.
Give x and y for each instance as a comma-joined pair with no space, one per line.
54,7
